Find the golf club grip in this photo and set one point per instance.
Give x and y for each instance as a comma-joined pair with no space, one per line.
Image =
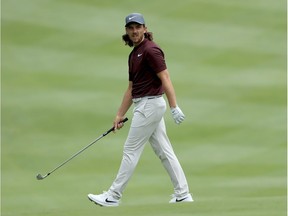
112,129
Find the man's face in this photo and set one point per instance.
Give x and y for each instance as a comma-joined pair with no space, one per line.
136,32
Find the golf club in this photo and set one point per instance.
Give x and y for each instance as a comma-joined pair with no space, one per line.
40,177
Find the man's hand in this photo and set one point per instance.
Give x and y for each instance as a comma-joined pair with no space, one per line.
177,115
118,124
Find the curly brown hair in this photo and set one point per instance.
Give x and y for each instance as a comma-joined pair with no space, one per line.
126,39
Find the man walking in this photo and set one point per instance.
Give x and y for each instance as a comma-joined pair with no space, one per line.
148,81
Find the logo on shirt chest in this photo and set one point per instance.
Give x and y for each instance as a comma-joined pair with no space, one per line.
136,61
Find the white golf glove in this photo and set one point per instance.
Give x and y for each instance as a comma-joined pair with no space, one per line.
177,115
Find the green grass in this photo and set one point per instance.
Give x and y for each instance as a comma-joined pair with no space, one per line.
64,71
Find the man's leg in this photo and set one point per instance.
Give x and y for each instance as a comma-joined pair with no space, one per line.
163,149
145,119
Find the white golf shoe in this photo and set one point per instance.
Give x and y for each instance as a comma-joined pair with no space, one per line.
104,199
187,198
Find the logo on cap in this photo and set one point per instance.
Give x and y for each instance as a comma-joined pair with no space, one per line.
130,18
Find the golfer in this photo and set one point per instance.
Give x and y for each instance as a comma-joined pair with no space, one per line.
148,81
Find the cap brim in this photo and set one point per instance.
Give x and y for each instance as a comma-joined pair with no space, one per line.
134,22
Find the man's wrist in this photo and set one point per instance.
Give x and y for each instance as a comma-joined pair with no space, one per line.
173,107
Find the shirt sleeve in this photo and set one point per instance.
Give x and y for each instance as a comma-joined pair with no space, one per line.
155,59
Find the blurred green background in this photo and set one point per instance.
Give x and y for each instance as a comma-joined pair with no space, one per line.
64,72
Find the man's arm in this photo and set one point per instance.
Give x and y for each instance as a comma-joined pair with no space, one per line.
176,112
124,107
168,88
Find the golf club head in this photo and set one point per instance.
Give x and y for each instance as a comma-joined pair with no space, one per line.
39,177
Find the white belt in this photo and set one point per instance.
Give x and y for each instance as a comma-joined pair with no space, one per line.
136,100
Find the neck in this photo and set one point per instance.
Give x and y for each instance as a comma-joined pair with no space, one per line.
136,44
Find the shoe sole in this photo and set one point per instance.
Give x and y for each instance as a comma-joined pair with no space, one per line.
95,202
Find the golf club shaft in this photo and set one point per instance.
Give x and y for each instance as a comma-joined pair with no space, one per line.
83,149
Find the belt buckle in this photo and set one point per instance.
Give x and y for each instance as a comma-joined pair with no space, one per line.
154,97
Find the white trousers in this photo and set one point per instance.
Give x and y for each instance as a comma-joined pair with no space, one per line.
148,125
